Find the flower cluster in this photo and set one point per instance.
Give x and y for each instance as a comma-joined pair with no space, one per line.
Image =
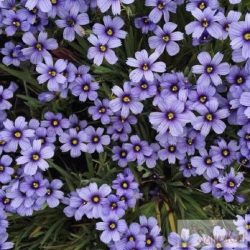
104,84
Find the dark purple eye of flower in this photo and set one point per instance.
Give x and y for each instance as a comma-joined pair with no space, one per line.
35,157
215,181
35,185
49,191
205,23
170,116
160,5
70,22
18,134
74,141
146,20
184,245
247,137
2,142
113,205
137,148
102,110
84,202
247,226
119,130
144,85
123,154
34,11
123,198
218,245
55,123
1,98
126,99
202,5
189,165
240,80
109,32
39,46
225,152
231,184
95,139
209,69
112,225
85,87
96,199
54,2
131,238
52,73
203,98
247,36
149,241
171,148
208,160
209,117
1,168
6,200
124,185
226,27
174,88
190,141
42,140
103,48
145,67
16,23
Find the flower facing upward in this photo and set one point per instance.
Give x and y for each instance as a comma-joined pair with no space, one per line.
38,48
211,68
114,4
126,100
145,66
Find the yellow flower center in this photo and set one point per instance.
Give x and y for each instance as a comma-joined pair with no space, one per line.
203,99
148,242
85,87
190,141
205,23
2,142
202,6
125,185
52,72
144,85
1,168
16,23
247,36
6,200
225,152
18,134
247,226
209,161
53,1
102,110
35,157
231,184
239,80
126,99
113,205
35,185
131,238
55,122
166,38
137,148
209,117
103,48
160,6
184,244
74,141
95,139
112,226
170,116
39,46
123,154
209,69
218,245
171,148
96,199
145,67
48,192
110,32
174,88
